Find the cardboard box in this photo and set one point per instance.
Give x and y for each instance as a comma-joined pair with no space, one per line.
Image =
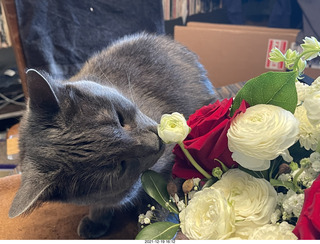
232,53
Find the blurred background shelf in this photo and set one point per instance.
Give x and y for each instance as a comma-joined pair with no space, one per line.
11,94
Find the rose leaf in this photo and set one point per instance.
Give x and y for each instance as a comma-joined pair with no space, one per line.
158,231
156,187
276,88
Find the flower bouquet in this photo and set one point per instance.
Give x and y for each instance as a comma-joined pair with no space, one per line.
251,164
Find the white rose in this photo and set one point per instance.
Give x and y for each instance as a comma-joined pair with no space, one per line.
308,134
173,128
281,231
312,105
208,216
261,134
254,200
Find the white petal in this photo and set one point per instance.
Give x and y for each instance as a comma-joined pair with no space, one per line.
250,162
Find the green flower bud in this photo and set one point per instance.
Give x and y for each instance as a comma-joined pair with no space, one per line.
294,166
217,172
301,65
290,57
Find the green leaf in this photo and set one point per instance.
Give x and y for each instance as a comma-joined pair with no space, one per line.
265,174
158,231
156,187
276,88
210,182
286,184
256,174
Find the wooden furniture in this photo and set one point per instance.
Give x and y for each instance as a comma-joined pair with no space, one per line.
11,17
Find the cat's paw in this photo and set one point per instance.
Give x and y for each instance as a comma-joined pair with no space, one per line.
90,230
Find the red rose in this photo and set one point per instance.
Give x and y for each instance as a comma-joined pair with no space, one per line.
207,140
308,225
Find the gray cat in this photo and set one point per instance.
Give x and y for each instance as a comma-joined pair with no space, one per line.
88,139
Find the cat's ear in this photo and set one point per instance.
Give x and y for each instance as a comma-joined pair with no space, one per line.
41,94
28,197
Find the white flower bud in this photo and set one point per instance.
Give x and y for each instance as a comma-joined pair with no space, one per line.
310,44
146,221
276,55
173,128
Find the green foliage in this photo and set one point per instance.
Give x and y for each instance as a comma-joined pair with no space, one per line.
210,182
256,174
266,174
276,88
156,187
158,231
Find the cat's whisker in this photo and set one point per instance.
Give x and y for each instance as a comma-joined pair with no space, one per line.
103,75
105,179
93,183
74,184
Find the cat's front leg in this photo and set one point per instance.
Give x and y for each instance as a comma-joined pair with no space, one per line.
96,223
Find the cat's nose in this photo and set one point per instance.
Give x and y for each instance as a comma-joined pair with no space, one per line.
147,140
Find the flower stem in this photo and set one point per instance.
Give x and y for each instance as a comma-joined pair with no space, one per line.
223,166
295,178
295,65
286,184
186,199
193,162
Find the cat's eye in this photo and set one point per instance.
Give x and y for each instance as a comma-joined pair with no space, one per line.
121,119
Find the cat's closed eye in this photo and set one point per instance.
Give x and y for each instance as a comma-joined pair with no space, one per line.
124,122
121,119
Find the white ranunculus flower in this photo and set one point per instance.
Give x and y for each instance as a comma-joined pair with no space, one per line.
173,128
281,231
261,134
302,90
315,86
308,134
312,105
254,200
208,216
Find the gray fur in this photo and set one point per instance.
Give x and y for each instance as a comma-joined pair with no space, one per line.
86,140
